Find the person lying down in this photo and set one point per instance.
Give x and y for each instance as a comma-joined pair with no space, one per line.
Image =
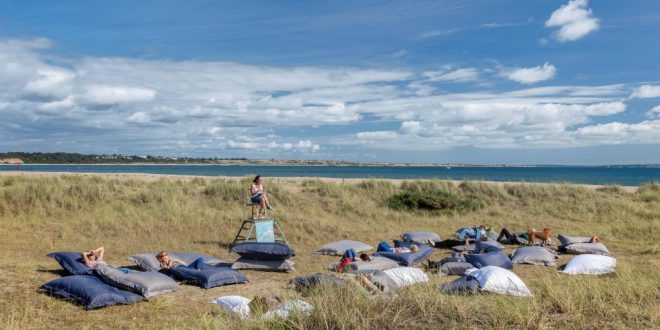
384,247
167,262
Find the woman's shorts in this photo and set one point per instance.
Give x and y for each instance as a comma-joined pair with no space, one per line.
256,199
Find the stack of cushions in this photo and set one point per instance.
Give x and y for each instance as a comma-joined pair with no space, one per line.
582,245
263,256
496,258
338,248
148,261
423,237
148,284
410,258
89,291
534,255
388,280
590,264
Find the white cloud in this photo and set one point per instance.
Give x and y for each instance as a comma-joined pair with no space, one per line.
531,75
654,112
646,92
376,135
458,75
410,127
109,95
139,117
574,20
435,33
622,133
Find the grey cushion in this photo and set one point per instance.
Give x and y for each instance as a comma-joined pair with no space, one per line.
523,241
534,255
339,247
420,236
568,240
148,284
588,248
488,245
148,261
454,268
376,264
265,265
463,284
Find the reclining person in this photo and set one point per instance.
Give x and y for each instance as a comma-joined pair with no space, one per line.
384,247
348,257
94,258
167,262
476,234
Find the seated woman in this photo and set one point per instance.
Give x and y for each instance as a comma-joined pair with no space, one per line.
167,262
94,258
384,247
259,197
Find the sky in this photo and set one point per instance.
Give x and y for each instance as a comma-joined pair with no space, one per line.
484,82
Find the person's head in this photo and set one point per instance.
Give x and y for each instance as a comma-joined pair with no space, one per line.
414,248
162,255
91,255
365,257
257,179
482,227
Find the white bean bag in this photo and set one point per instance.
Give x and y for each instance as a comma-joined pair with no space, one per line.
398,277
499,280
235,304
590,264
288,308
338,248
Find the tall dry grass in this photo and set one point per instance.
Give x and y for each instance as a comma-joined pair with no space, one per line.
43,214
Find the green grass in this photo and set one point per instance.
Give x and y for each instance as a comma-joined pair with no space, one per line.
69,212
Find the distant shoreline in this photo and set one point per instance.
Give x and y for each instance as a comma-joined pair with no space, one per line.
185,177
329,163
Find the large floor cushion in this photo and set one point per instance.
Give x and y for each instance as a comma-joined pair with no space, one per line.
590,264
568,240
148,261
495,258
534,255
398,277
89,291
339,247
376,264
409,258
499,280
454,268
235,304
463,284
264,251
318,280
264,265
72,262
587,248
209,277
423,237
148,284
469,248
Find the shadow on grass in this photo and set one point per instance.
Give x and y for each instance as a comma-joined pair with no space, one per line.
60,272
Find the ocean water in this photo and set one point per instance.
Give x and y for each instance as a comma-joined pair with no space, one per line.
619,175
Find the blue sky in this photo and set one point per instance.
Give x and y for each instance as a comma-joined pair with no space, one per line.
520,82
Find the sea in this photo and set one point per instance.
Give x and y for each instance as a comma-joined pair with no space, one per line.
600,175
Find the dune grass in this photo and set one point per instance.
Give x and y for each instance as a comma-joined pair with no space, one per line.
68,212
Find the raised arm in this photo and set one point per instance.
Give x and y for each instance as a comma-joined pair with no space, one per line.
100,252
85,258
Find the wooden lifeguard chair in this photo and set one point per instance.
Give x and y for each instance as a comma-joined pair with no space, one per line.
257,230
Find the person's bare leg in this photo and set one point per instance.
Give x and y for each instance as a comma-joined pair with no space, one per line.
262,207
267,202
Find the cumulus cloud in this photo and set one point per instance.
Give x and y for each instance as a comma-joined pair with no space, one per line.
226,108
531,75
654,112
435,33
646,92
574,20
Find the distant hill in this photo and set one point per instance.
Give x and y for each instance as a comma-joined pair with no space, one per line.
75,158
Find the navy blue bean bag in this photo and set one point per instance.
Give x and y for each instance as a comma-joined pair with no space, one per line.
72,262
496,258
89,291
488,245
410,258
209,277
263,251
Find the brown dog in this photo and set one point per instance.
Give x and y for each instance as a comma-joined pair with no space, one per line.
544,235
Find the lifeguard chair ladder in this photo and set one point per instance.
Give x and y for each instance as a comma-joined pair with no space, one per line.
258,230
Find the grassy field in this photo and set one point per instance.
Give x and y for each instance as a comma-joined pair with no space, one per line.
65,212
